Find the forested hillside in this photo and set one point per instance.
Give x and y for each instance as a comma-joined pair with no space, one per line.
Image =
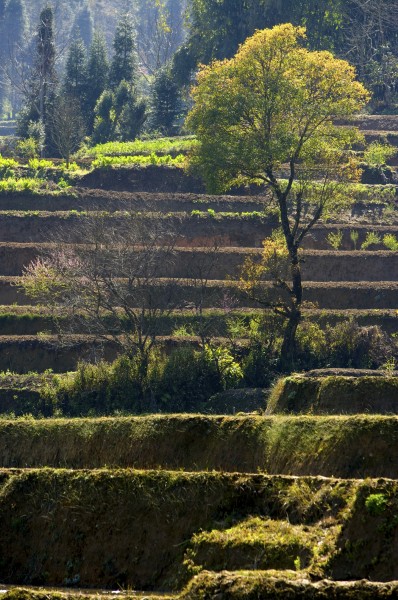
181,34
158,32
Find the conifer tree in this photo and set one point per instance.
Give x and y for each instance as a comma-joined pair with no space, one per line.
130,111
83,26
3,50
104,121
124,62
76,71
166,102
96,79
43,81
45,65
16,24
13,39
119,115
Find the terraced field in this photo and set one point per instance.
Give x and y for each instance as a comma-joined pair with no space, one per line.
194,506
212,237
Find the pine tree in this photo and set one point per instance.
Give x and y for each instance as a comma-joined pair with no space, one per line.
124,62
130,112
83,26
43,82
104,119
3,36
76,71
45,65
13,39
3,50
166,103
16,23
119,115
97,76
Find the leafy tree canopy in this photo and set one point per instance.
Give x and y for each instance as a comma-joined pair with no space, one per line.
273,103
273,108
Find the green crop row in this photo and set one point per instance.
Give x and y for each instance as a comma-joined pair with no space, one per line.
158,146
138,159
23,184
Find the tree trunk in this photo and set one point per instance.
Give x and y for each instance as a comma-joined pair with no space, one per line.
289,346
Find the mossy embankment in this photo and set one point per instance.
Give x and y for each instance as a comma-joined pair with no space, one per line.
41,593
155,529
355,447
252,585
108,527
233,585
335,394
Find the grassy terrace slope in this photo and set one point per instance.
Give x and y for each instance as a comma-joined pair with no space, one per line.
304,445
334,395
156,528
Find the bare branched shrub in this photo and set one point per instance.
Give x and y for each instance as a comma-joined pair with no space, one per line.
112,285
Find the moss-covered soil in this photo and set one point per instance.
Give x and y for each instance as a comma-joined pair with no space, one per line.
336,394
342,446
157,529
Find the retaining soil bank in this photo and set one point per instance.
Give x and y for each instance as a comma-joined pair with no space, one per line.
109,200
24,354
225,295
272,586
132,528
221,263
334,395
186,230
232,586
29,321
346,446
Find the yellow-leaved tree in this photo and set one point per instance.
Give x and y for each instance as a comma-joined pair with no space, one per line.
271,109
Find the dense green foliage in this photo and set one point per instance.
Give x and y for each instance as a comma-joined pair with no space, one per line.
365,33
280,109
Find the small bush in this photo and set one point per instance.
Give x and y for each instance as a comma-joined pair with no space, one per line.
377,154
354,235
36,164
7,166
311,346
259,366
101,389
352,346
390,242
190,377
28,148
335,239
376,504
372,239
